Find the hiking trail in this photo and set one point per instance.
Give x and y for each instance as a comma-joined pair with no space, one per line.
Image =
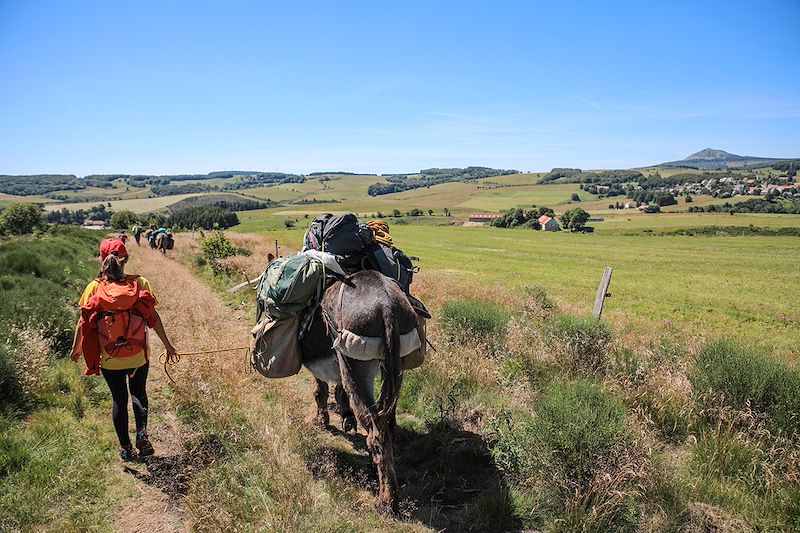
195,319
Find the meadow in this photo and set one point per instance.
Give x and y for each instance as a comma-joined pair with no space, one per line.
680,403
710,285
667,415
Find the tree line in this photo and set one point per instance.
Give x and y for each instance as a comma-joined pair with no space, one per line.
522,218
46,183
42,184
603,177
433,176
753,205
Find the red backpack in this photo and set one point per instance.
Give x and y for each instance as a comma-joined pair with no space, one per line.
121,328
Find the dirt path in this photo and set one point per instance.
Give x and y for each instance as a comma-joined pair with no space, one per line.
157,506
196,319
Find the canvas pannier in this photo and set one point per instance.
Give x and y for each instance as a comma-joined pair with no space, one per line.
288,286
274,348
417,357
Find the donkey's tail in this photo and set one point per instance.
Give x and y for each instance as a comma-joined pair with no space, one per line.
392,373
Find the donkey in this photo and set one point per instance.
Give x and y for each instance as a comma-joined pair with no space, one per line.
163,242
368,304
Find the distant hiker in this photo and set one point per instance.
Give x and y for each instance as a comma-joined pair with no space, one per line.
151,236
164,241
137,233
112,338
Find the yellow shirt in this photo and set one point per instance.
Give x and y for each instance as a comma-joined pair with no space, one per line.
117,363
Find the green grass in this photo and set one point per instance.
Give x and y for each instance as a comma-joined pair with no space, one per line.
137,205
474,321
741,377
56,438
693,282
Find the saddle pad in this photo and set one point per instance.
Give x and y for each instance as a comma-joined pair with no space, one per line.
369,348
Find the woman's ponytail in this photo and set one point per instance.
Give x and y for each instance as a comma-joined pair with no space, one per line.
112,268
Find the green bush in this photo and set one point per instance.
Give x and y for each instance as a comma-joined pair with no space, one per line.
578,434
124,219
538,302
580,341
738,376
40,281
474,321
19,219
576,425
216,247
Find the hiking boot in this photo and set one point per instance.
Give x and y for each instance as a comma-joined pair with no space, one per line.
126,453
143,444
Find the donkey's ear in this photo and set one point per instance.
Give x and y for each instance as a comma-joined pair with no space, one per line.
270,258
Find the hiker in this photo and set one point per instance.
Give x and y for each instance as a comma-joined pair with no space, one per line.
151,237
137,233
122,237
111,335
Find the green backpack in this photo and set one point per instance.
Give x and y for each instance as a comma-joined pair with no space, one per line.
289,285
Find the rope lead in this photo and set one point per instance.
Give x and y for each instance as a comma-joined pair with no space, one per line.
167,360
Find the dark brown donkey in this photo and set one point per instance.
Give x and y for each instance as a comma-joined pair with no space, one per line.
368,304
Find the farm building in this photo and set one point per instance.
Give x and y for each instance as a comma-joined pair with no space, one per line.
93,224
549,223
482,217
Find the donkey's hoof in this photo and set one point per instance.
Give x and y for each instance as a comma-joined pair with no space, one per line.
389,510
349,424
322,420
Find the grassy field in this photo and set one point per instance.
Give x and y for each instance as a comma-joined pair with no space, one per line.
350,192
527,417
697,282
605,423
137,205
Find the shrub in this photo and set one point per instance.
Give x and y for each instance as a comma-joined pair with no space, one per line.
19,219
575,456
538,302
580,341
741,377
475,321
215,248
124,219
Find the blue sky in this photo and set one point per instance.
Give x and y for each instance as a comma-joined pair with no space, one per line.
192,87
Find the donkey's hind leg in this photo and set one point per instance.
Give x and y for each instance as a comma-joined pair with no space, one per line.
358,378
321,396
345,411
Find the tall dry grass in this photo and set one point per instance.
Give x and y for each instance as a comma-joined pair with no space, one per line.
258,474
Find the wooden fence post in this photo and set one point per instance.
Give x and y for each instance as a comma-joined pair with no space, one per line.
602,292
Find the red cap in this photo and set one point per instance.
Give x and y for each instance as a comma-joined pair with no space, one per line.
112,246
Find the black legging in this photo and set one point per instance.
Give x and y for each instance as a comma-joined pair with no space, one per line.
119,393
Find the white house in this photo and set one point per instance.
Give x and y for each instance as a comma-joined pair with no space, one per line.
549,223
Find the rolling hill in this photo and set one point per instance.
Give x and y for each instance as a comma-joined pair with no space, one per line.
712,159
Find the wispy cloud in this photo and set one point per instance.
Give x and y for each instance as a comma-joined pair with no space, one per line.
590,103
